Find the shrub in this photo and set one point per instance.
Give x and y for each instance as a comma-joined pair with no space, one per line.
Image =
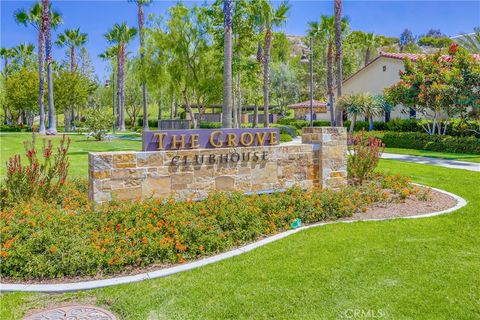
423,141
210,125
98,123
73,238
10,128
286,129
39,178
365,152
285,137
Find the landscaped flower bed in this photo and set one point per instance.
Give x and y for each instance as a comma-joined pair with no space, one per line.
70,238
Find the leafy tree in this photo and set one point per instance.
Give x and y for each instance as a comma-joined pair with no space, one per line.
435,42
285,85
23,54
120,35
21,93
438,87
33,17
98,122
406,38
471,42
6,54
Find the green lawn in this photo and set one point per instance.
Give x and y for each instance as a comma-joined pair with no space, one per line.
435,154
405,269
12,143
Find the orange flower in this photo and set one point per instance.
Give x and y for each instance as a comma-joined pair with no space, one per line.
3,254
53,249
144,240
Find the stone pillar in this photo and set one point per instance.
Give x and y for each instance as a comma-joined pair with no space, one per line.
330,152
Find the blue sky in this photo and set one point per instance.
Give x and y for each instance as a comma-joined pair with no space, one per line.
384,17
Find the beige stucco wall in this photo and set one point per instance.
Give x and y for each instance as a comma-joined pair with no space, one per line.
373,79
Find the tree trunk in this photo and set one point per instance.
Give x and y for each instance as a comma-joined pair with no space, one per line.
367,55
52,126
338,57
370,123
239,101
227,64
352,124
255,116
330,83
266,78
121,87
72,59
142,55
41,79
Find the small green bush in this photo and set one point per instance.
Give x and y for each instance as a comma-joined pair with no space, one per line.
210,125
10,128
284,137
423,141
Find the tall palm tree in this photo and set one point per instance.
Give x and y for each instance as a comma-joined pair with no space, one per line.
6,54
47,26
111,55
325,30
370,43
227,63
71,38
338,57
141,20
33,17
267,18
471,41
121,35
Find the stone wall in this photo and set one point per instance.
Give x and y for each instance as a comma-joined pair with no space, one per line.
320,160
330,146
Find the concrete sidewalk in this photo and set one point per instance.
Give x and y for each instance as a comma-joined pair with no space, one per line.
454,164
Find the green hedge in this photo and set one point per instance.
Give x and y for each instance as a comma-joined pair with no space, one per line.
423,141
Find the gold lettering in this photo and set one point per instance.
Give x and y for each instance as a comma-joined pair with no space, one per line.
175,142
160,139
273,138
231,139
194,141
260,138
242,139
212,139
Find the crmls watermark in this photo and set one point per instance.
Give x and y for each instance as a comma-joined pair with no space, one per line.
362,314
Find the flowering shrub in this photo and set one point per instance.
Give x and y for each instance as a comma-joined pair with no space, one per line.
364,154
39,178
72,238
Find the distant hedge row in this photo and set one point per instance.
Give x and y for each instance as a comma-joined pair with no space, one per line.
423,141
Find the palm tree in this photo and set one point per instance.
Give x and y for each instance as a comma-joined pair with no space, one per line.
326,31
22,53
121,35
267,18
71,38
471,41
227,64
6,54
141,19
338,57
33,17
111,54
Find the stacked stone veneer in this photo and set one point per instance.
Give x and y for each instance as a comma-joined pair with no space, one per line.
330,148
319,161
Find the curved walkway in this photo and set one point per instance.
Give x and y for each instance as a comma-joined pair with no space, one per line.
93,284
454,164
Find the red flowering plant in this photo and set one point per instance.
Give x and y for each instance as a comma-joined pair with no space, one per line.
439,87
41,177
364,154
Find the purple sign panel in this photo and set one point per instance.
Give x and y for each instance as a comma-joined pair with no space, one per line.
209,138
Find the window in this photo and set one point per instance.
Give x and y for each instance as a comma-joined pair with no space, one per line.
384,68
